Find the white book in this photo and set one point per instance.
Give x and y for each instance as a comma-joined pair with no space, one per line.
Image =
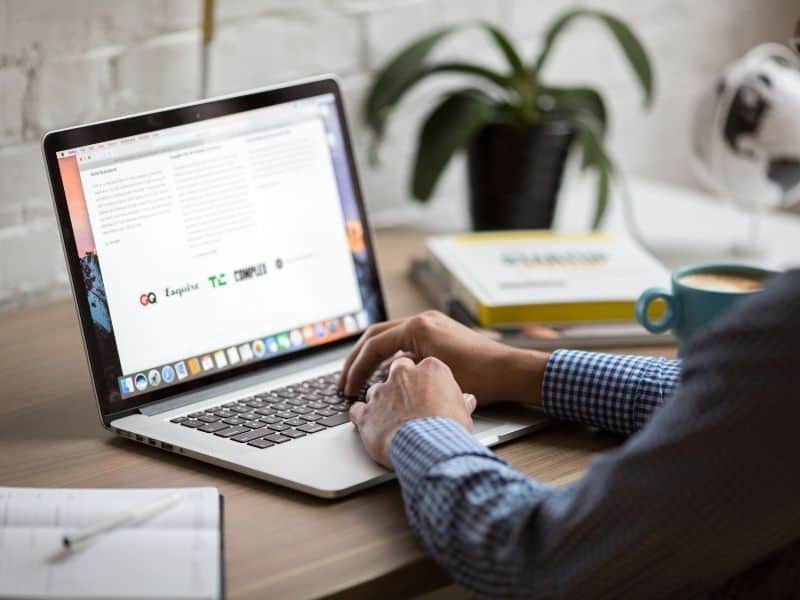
520,277
174,554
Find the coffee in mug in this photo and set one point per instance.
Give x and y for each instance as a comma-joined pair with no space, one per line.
722,282
700,293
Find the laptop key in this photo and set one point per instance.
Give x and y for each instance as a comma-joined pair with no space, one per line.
240,409
277,438
249,416
178,420
266,412
234,421
208,419
293,433
270,420
314,404
285,414
249,436
336,420
194,415
212,427
231,431
279,427
310,417
325,412
295,422
260,444
225,414
310,428
301,410
193,423
253,424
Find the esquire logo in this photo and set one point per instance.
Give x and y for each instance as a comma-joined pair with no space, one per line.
180,291
250,272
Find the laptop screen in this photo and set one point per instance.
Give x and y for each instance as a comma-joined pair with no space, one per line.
215,244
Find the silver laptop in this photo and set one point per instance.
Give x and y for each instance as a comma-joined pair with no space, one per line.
222,269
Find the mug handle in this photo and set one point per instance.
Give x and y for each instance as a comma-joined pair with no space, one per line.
643,305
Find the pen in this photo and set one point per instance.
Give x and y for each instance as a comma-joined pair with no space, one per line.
132,517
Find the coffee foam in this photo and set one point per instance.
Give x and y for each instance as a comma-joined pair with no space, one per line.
722,282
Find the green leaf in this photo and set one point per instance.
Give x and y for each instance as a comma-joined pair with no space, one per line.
378,120
408,67
507,48
397,76
449,128
603,177
627,40
597,159
578,102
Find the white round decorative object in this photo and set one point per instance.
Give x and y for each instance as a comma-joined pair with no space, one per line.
746,131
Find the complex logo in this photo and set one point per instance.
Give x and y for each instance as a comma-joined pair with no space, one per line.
147,298
250,272
218,280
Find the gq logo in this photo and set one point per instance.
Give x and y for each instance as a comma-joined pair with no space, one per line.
147,299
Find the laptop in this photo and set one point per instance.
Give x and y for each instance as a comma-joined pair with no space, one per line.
222,268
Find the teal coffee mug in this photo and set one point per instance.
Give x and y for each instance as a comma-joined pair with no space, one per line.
700,293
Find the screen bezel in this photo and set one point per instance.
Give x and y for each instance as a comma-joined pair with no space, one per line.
66,139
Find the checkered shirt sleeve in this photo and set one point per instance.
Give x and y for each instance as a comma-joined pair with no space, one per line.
707,486
466,505
613,392
463,502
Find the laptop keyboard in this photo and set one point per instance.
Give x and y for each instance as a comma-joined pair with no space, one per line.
279,415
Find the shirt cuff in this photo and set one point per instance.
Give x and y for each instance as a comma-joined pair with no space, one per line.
420,444
613,392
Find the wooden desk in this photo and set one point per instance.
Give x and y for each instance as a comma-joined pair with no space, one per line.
278,543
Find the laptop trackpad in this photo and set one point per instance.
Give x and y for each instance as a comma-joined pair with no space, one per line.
482,425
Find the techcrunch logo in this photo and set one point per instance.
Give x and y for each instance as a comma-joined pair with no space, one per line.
180,291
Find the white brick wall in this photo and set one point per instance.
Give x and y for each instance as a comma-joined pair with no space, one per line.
62,63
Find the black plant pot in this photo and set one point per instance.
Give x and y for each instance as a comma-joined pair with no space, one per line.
515,173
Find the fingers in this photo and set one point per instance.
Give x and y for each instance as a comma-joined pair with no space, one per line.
371,332
471,402
384,366
357,412
399,365
372,353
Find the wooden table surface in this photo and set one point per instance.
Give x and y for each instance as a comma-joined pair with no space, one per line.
278,543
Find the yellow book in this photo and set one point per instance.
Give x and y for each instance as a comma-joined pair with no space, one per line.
521,277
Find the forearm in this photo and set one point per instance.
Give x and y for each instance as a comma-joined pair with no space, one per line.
613,392
469,509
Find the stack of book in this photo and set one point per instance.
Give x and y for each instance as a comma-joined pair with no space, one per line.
542,289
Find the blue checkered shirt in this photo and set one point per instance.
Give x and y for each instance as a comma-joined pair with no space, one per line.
706,485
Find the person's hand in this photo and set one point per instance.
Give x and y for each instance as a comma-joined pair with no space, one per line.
490,370
412,391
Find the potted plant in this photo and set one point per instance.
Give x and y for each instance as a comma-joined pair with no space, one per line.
517,130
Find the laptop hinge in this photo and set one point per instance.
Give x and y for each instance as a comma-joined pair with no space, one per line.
239,383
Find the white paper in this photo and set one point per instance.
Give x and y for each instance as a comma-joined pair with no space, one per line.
176,554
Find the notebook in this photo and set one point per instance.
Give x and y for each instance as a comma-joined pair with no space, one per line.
174,554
